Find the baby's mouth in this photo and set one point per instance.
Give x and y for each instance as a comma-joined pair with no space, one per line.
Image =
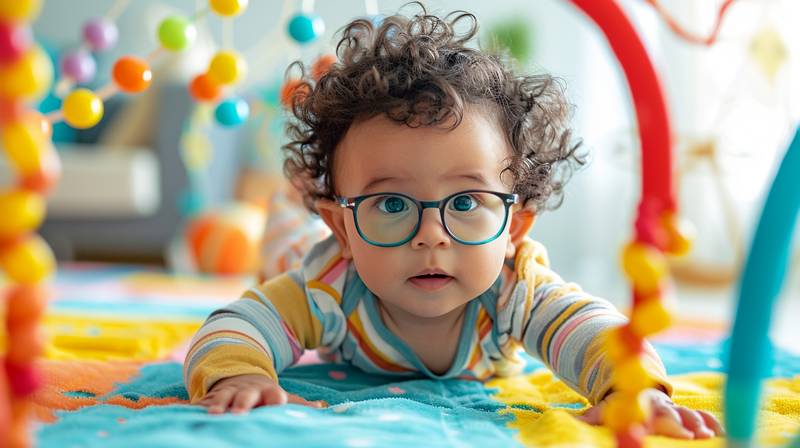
430,282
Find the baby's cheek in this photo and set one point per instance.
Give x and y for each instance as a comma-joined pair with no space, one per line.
481,266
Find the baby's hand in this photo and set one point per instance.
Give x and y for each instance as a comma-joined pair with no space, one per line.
668,419
244,392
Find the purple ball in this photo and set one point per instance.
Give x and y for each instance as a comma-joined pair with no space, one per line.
79,65
100,35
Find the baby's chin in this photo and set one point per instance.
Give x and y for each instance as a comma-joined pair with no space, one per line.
431,308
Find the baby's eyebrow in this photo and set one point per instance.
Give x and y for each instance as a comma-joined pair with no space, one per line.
472,176
380,180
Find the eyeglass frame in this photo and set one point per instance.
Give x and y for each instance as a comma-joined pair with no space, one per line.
509,199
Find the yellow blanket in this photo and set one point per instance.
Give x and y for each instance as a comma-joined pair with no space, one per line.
531,398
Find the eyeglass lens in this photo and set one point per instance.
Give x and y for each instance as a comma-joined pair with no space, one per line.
472,217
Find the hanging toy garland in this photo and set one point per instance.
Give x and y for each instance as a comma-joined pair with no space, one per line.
25,74
658,230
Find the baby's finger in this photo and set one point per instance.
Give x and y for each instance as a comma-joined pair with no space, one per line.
694,423
296,399
593,415
273,395
221,400
244,400
668,422
712,423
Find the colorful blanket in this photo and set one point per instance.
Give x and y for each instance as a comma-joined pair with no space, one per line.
113,377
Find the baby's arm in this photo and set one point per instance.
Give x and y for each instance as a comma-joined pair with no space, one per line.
259,335
566,328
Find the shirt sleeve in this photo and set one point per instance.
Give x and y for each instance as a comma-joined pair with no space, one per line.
268,329
566,328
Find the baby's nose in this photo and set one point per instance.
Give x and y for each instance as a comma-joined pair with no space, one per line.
431,231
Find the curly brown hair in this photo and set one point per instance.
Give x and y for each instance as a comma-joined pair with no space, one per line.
419,71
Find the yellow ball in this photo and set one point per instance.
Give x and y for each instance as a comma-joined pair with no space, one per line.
227,67
646,266
30,77
649,317
25,143
228,8
630,376
82,109
22,210
20,9
28,261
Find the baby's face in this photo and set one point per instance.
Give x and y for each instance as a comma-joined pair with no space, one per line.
428,163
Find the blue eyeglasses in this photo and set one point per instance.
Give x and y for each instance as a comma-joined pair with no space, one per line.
470,217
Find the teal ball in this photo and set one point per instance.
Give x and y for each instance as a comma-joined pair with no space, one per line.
232,112
305,28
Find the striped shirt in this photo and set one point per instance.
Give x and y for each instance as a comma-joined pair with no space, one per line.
324,305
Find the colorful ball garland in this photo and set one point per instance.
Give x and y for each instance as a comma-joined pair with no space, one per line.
25,73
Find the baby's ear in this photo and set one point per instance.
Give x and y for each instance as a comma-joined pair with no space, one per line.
333,215
521,223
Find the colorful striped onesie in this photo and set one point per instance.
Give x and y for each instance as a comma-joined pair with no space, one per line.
324,305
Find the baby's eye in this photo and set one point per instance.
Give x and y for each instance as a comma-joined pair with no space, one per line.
391,204
463,203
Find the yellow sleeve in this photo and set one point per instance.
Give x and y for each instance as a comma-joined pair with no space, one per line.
264,332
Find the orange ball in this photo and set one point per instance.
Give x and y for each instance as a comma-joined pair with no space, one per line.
293,92
131,74
203,89
27,302
322,66
27,342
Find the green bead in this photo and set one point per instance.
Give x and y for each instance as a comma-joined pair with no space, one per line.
176,33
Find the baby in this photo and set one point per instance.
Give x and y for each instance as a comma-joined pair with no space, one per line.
429,161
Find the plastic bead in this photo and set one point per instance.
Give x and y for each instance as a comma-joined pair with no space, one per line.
631,376
29,260
46,177
100,34
131,74
649,317
27,302
176,33
25,141
305,28
30,77
293,93
680,233
322,66
22,211
24,379
202,89
20,9
82,109
227,67
15,40
228,8
232,112
621,344
624,409
646,266
79,65
28,341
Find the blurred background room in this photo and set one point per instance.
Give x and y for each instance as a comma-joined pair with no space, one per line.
158,159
